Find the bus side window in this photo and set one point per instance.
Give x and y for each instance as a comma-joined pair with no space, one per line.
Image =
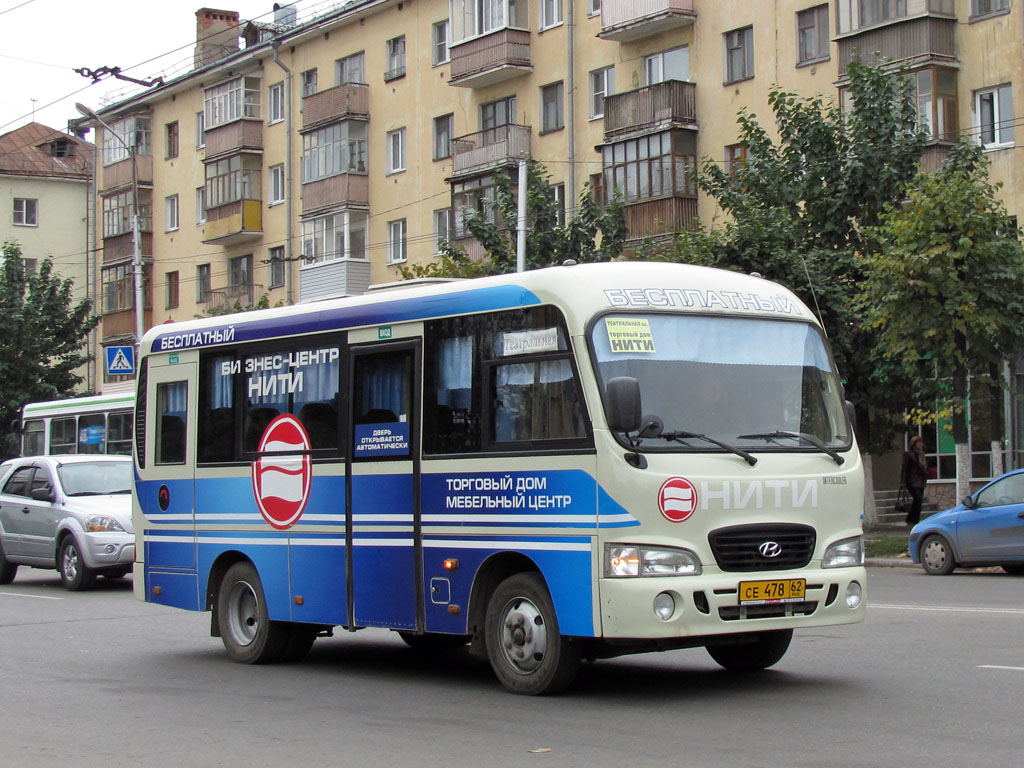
172,403
33,439
92,433
63,435
119,434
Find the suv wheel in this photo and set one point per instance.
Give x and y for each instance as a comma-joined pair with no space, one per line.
75,574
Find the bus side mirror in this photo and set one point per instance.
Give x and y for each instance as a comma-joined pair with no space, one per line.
622,396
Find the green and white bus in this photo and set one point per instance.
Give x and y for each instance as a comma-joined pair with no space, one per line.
100,424
571,463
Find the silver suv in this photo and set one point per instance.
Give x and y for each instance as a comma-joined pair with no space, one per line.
72,513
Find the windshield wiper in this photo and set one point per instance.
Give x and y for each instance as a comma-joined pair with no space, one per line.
799,437
679,436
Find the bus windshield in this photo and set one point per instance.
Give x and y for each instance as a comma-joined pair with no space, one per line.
749,382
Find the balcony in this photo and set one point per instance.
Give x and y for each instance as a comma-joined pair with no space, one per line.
489,59
120,246
223,300
121,324
233,137
671,104
911,41
119,174
627,20
348,189
234,223
348,100
489,150
333,279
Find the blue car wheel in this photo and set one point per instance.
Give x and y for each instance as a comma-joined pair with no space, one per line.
937,556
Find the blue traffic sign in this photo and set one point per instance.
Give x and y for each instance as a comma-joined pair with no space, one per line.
120,361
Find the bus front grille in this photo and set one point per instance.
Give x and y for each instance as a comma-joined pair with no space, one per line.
774,611
778,547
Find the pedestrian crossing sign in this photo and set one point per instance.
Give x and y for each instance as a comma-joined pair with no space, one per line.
120,361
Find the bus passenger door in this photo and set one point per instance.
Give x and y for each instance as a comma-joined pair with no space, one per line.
383,515
167,479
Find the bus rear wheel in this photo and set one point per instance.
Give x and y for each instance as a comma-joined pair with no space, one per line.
527,652
765,649
246,630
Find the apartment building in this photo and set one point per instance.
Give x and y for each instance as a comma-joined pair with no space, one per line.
309,154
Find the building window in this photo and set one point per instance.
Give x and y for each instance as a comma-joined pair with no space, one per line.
396,151
171,213
936,102
308,82
739,54
443,127
498,113
232,179
735,159
550,13
396,58
350,69
602,85
993,109
812,35
200,130
442,228
333,149
231,101
202,283
31,266
131,135
201,205
441,54
118,288
593,7
240,274
277,266
275,103
396,241
877,11
26,212
653,166
171,138
117,214
552,116
474,195
558,195
673,64
989,7
170,290
276,184
324,238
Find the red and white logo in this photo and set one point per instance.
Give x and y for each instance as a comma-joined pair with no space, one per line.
281,483
677,499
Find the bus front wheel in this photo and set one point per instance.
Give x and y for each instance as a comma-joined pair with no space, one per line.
527,652
249,635
765,649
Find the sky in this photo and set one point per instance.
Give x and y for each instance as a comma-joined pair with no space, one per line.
42,42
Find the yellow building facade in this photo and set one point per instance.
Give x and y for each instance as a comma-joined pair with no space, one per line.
310,156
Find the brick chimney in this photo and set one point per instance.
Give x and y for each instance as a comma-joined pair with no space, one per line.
217,34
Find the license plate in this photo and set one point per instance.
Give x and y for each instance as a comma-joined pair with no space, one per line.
777,591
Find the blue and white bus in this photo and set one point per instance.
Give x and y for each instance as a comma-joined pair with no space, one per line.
578,462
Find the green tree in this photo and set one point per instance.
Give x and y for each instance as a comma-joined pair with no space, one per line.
548,242
945,288
43,340
800,210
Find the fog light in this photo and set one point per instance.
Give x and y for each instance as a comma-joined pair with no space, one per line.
110,549
854,593
664,606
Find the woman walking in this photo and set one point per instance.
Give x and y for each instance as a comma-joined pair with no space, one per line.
914,475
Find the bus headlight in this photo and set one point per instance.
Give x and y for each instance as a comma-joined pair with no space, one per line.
623,560
845,553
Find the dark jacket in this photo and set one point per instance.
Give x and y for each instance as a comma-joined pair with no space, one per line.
912,473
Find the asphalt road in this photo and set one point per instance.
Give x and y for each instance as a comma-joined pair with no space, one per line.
933,677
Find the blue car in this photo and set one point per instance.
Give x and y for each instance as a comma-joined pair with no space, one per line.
987,529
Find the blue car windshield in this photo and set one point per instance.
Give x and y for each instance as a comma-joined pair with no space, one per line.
740,380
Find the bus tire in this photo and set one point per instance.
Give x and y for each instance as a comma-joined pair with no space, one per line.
766,649
247,632
75,574
528,654
8,570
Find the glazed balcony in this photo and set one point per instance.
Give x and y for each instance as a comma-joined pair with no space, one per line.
627,20
487,151
490,59
671,104
348,100
233,137
232,223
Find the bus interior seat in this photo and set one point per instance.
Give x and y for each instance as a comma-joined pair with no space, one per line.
378,416
256,421
320,421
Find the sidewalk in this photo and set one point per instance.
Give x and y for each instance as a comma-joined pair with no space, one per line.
888,560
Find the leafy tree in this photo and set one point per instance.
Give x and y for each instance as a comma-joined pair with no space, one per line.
547,242
43,340
945,288
800,210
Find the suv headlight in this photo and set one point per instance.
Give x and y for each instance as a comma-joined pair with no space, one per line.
844,554
625,560
99,523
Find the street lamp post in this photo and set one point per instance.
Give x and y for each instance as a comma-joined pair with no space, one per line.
140,326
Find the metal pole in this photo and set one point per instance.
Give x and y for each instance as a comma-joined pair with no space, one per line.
521,224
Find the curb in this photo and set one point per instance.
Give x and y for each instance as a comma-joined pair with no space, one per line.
890,562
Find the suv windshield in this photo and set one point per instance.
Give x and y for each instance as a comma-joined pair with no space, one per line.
748,382
95,478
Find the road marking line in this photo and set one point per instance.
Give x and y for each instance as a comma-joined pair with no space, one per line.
999,666
1017,611
37,597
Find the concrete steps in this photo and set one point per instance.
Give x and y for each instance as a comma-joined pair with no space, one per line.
887,516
